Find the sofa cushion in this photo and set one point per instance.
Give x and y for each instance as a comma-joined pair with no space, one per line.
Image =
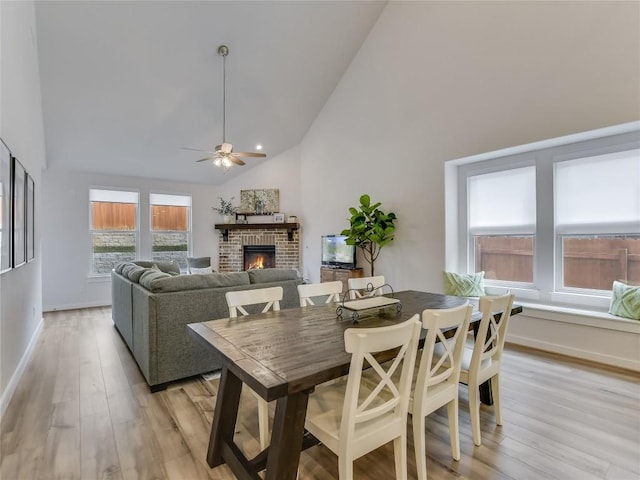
167,267
200,271
134,273
128,268
199,282
197,262
119,266
264,275
150,275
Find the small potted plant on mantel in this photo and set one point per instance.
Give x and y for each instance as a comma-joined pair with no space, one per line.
226,209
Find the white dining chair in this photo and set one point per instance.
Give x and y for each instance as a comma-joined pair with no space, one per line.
351,419
482,362
365,286
437,376
236,301
331,290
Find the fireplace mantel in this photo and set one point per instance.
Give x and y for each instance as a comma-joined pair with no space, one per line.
225,227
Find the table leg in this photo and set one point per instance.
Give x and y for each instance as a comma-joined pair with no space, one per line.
224,416
286,437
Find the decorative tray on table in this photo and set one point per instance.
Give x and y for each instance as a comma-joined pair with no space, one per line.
371,302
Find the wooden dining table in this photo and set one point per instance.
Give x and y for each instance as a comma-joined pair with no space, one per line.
283,356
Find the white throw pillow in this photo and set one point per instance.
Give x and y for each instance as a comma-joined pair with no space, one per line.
201,271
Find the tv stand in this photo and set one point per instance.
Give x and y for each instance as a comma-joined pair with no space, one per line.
331,274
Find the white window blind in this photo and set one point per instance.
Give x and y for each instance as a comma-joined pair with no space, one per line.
113,196
171,200
598,192
503,202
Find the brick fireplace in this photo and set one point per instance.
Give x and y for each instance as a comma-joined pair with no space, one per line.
233,238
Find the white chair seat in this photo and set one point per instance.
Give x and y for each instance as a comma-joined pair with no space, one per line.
484,372
324,418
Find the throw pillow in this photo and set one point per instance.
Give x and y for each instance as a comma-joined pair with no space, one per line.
464,285
201,271
625,301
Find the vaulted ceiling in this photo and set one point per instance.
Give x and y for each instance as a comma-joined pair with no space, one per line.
126,85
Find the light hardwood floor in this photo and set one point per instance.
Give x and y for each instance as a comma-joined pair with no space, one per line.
83,411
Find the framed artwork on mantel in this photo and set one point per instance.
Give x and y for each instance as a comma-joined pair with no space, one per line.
264,201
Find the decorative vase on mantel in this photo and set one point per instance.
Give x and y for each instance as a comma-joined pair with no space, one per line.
259,207
226,218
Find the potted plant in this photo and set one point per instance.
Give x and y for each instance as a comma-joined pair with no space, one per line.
371,229
226,209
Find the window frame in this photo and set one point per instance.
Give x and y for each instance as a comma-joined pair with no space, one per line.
547,274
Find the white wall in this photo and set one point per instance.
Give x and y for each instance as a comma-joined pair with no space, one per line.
22,130
66,242
436,81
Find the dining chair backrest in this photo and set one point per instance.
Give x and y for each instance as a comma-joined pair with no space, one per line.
307,292
437,376
496,311
237,300
388,401
365,286
442,364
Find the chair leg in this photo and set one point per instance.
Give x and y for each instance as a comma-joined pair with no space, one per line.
454,433
263,423
345,467
400,454
474,412
420,445
495,392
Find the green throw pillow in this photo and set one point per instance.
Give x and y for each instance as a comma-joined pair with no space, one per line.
464,285
625,301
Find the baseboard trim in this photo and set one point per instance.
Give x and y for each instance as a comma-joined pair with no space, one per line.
20,369
75,306
626,363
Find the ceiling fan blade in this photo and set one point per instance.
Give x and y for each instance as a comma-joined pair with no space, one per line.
235,160
196,150
249,154
205,159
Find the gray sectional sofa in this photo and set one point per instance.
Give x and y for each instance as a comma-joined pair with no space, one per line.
152,305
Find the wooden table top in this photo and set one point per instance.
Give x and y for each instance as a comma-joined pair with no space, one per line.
293,350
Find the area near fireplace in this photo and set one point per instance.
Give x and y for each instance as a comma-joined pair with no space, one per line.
283,241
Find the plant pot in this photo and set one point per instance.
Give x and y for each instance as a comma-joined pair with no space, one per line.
226,218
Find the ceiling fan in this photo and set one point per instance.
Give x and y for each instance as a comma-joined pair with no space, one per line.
223,155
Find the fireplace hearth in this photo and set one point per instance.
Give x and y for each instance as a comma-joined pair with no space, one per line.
259,256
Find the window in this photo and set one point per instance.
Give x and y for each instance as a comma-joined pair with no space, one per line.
557,221
502,220
114,228
170,227
597,203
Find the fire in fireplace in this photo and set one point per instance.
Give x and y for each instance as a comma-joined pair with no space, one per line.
259,256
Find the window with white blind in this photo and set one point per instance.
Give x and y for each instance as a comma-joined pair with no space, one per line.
502,222
556,221
597,218
170,227
114,228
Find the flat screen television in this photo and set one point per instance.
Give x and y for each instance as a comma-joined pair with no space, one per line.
336,252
